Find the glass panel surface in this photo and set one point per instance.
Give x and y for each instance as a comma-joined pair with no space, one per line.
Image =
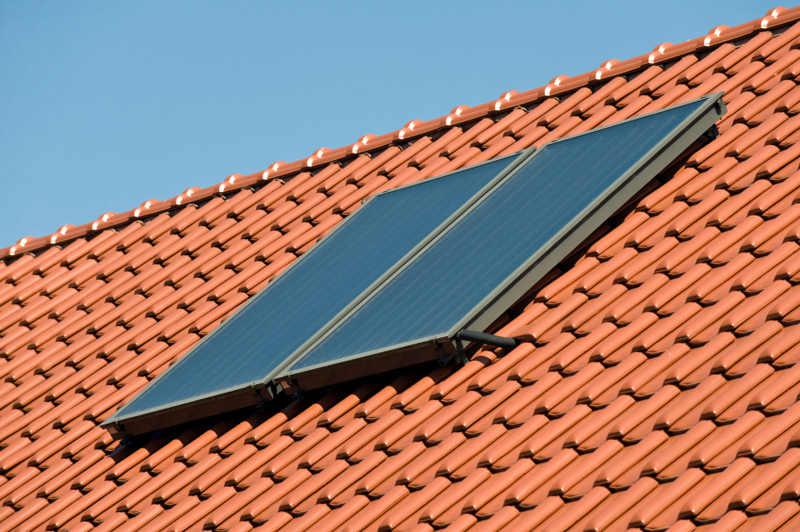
480,251
252,343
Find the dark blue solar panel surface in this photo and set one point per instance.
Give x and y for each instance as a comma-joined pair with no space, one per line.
488,244
255,340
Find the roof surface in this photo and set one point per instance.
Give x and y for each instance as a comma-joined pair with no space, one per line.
659,391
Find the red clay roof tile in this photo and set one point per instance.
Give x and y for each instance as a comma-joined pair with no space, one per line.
656,387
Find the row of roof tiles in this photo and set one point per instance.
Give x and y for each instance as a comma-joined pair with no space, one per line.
371,145
657,390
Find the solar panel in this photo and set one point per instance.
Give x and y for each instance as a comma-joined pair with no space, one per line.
225,370
499,248
395,283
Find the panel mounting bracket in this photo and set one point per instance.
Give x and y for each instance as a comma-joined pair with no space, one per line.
449,351
461,357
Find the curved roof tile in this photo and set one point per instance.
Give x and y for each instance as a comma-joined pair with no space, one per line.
660,393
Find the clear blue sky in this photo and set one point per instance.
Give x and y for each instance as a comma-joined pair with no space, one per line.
106,104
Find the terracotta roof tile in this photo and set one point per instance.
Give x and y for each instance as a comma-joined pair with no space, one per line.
656,389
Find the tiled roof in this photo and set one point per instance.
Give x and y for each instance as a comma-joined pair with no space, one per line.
659,390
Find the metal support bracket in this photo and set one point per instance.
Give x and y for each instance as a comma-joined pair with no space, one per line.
461,357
